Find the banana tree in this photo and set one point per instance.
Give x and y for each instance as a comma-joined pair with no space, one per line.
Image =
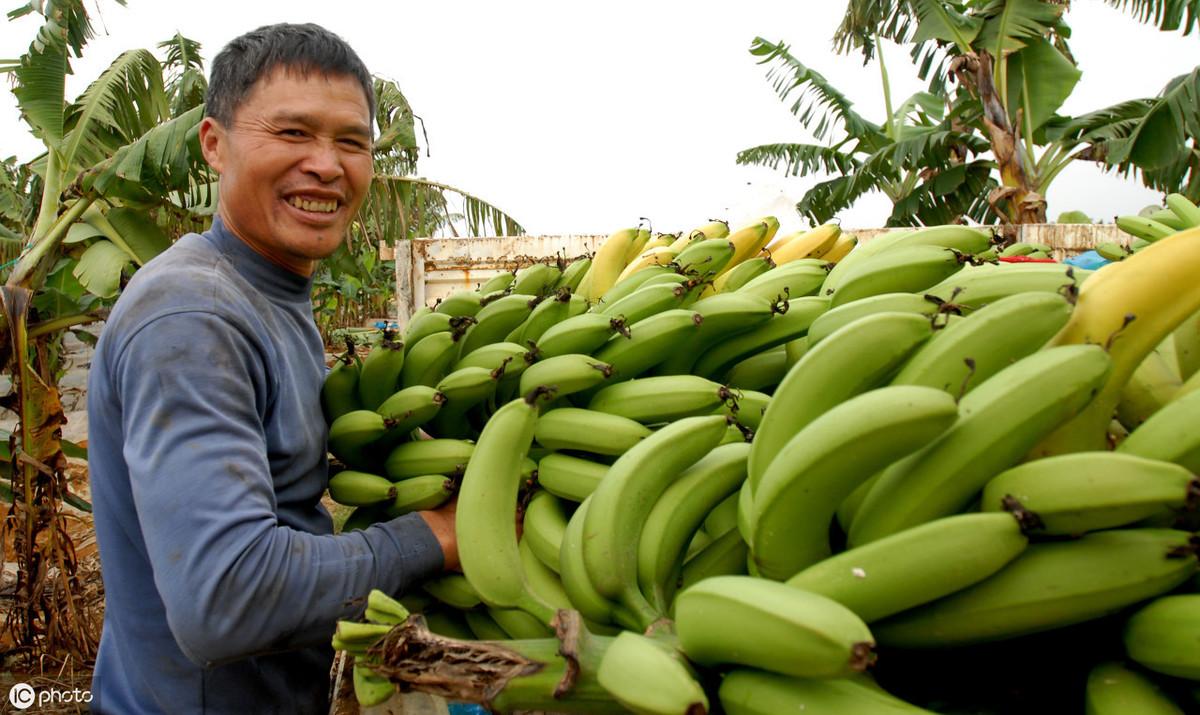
1011,59
920,156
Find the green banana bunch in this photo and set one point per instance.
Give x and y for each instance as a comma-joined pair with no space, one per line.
961,238
793,322
901,270
724,315
1112,251
960,357
725,555
428,491
380,372
1162,635
1048,586
428,456
567,374
1088,491
623,499
975,286
678,515
586,430
582,334
487,510
802,487
544,524
339,391
648,678
860,356
841,316
497,319
741,620
1169,434
1113,689
383,609
569,477
745,691
789,281
354,488
999,422
573,274
665,398
1185,211
917,565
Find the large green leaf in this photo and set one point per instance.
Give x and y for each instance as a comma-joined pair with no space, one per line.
945,21
81,231
125,102
1011,24
62,293
165,159
99,269
139,232
799,159
396,147
1039,81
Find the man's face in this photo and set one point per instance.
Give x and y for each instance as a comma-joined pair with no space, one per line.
295,165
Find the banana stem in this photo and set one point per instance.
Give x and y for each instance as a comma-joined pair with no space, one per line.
549,674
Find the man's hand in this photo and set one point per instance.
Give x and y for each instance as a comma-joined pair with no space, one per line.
441,523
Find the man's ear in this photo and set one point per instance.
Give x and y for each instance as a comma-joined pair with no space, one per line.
212,142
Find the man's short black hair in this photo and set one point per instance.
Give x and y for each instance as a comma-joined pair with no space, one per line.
303,48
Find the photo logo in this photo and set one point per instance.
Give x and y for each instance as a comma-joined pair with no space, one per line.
21,696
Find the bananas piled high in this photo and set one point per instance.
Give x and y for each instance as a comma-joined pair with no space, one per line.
1180,214
772,470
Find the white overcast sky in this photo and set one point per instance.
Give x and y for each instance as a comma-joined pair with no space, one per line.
577,118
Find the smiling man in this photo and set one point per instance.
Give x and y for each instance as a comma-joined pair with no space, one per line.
222,576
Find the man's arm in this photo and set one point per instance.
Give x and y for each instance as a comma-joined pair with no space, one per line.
233,580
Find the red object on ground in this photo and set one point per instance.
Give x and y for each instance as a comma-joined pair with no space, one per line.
1025,259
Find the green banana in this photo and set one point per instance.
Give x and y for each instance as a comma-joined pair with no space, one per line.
354,488
756,692
1017,249
428,361
370,689
466,387
1162,635
1113,689
725,555
961,356
512,357
648,678
646,301
487,510
1186,211
426,324
353,435
677,516
901,270
975,286
623,499
545,523
363,517
747,407
448,623
428,456
917,565
1169,434
428,491
535,279
813,473
793,323
858,357
741,620
1144,228
1088,491
501,281
724,315
1112,251
567,374
339,391
484,626
580,590
722,517
460,304
742,273
648,342
519,624
789,281
1050,585
548,313
705,258
569,477
635,281
408,409
839,317
573,274
380,372
664,398
762,371
1153,384
588,431
497,319
1187,346
453,590
540,579
999,422
582,334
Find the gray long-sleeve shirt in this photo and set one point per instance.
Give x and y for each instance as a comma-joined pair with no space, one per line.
222,577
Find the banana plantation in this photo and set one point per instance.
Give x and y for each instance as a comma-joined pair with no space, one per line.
948,465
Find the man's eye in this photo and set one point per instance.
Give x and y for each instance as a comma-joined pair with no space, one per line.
292,133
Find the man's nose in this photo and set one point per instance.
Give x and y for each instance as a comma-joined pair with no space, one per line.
324,161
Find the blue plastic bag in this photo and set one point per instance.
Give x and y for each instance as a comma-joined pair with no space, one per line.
1089,260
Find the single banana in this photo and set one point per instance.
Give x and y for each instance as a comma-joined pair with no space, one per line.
1113,689
536,279
429,323
623,499
589,431
353,436
650,257
1169,434
677,516
1186,211
468,386
960,357
627,286
1112,251
447,622
1017,249
781,328
428,456
724,315
648,678
339,391
567,374
722,517
706,258
513,357
1088,491
427,362
741,274
1162,636
484,626
518,624
838,252
1144,228
646,301
839,317
975,286
497,319
860,356
551,311
569,477
917,565
608,263
1050,585
573,274
1153,384
428,491
741,620
573,572
410,408
453,590
716,228
354,488
756,692
582,334
750,239
999,422
747,408
540,579
799,492
804,244
370,688
725,555
545,523
462,303
900,270
794,280
762,371
501,281
485,521
648,342
665,398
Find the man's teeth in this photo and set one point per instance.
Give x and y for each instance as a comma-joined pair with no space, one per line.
317,206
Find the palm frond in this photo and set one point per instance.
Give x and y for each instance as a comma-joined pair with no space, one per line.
799,159
396,148
829,198
403,207
947,196
926,148
817,102
1008,23
866,19
183,73
946,21
1166,15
